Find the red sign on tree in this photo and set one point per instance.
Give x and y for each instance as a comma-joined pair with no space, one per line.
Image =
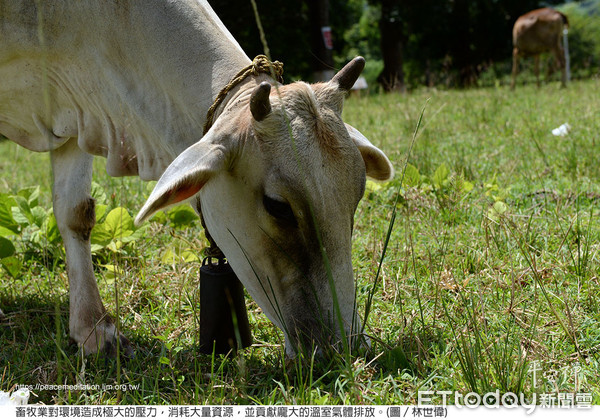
327,39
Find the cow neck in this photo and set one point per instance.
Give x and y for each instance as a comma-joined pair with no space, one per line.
260,65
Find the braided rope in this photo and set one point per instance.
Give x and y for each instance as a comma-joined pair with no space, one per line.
260,64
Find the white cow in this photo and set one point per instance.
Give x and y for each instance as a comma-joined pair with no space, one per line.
132,81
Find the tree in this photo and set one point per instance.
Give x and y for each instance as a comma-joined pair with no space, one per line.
455,40
391,28
287,25
321,40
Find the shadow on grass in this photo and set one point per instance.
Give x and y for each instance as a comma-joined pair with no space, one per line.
36,349
413,350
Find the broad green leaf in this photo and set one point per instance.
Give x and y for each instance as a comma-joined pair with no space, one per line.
189,256
21,217
118,224
159,217
51,228
7,220
500,207
100,236
318,399
31,194
412,177
39,215
96,247
170,256
6,248
114,246
181,216
22,212
467,186
440,176
461,185
372,186
497,210
135,236
112,271
12,265
5,232
100,211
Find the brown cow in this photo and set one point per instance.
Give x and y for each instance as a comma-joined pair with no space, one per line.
536,32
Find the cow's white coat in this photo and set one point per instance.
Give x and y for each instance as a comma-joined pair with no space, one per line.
132,81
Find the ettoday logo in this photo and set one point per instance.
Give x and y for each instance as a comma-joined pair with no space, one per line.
550,381
474,400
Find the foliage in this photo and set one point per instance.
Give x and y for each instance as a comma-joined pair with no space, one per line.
287,29
446,43
30,231
362,38
22,217
457,43
584,37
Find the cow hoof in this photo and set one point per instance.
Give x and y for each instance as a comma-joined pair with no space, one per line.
106,340
110,347
119,345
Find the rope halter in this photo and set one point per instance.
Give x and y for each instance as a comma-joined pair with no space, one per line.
260,64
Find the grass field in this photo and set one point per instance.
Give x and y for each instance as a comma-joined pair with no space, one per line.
490,278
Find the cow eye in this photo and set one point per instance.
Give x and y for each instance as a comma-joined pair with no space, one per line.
280,210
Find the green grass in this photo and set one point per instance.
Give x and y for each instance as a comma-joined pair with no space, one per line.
491,271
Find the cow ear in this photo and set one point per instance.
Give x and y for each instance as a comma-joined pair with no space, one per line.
185,176
260,104
377,164
347,76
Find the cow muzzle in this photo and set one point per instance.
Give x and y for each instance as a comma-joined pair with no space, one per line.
317,336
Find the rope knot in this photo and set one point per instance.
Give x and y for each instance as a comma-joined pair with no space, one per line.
262,64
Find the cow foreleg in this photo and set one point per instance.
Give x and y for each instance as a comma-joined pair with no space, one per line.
89,324
515,68
536,69
559,55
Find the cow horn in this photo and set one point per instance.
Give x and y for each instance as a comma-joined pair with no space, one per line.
260,105
346,77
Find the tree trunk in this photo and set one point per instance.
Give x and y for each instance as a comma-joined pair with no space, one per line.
461,47
392,38
321,40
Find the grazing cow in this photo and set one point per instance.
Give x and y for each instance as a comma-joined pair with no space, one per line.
278,175
537,32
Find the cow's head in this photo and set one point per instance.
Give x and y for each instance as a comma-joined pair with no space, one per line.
279,177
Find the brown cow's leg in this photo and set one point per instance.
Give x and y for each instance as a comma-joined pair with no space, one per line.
515,67
536,69
559,54
89,324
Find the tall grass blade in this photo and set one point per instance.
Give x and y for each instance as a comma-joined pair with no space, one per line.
391,223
